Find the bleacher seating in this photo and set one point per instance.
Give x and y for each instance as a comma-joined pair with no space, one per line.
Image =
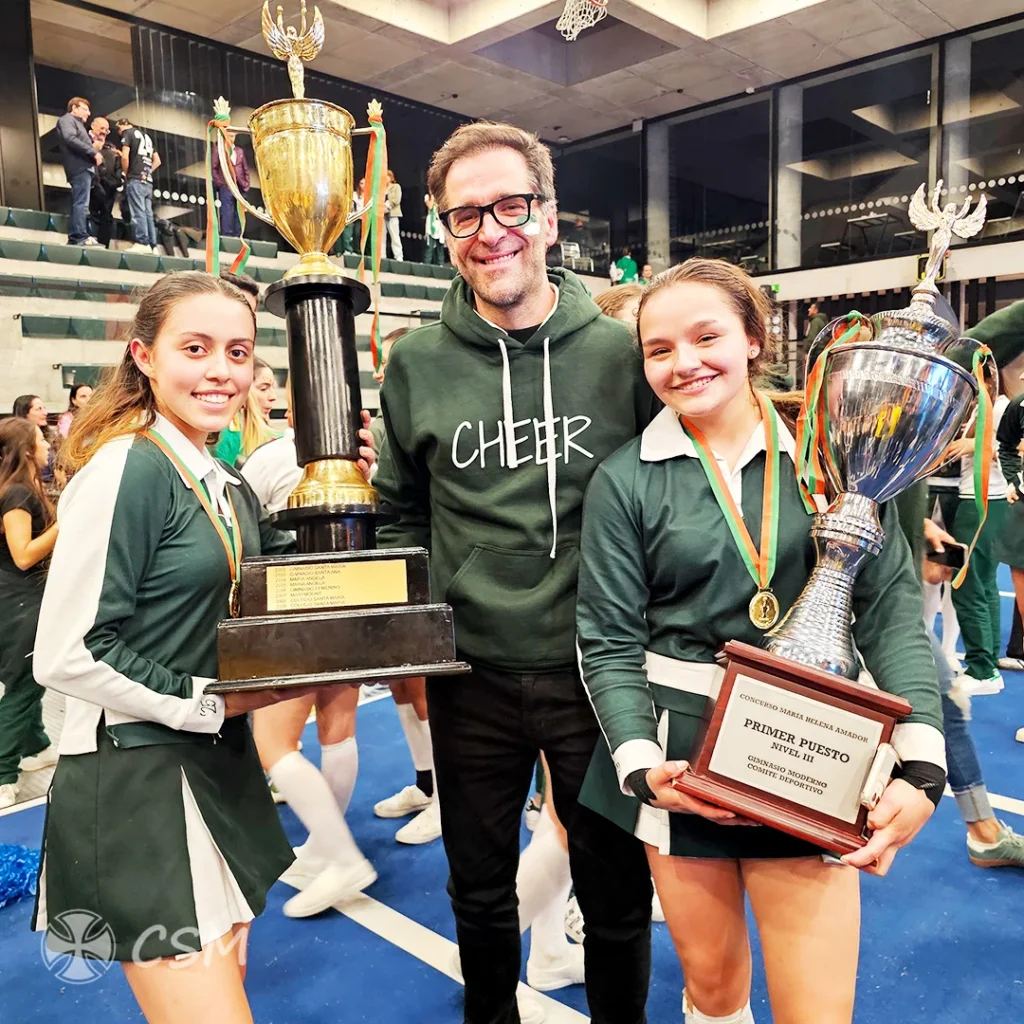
67,307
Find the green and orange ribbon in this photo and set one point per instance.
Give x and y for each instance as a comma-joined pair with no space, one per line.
983,445
231,539
812,423
218,126
760,562
373,223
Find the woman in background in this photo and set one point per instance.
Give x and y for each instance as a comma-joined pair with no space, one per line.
27,536
78,399
251,426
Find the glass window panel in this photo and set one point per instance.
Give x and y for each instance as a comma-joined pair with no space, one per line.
719,181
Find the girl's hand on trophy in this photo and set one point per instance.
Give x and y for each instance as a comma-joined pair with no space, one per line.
253,700
367,454
668,798
895,819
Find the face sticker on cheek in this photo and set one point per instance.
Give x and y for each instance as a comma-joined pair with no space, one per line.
531,227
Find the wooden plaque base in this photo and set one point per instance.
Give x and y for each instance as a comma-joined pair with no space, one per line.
747,663
339,617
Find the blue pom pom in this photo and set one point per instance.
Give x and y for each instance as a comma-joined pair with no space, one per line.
19,870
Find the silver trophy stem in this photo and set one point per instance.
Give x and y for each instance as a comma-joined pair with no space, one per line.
816,630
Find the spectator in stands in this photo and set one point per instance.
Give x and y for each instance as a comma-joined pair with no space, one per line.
352,235
646,275
250,426
624,271
229,223
33,409
816,321
139,161
107,182
80,160
393,215
78,399
27,536
433,245
377,423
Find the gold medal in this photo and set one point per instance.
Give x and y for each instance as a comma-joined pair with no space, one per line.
764,609
233,602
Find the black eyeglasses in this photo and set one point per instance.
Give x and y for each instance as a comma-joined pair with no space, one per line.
508,211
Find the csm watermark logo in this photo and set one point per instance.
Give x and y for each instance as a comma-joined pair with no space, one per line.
78,946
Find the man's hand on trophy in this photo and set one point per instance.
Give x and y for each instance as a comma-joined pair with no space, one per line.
896,819
367,454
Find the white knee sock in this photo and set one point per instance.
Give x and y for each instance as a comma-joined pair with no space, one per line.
543,880
950,623
417,735
694,1016
309,796
340,764
932,603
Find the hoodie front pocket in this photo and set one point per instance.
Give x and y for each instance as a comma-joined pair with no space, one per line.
516,608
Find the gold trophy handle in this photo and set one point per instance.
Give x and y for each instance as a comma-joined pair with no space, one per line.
353,217
229,180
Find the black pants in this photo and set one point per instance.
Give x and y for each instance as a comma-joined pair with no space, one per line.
101,210
487,729
1015,645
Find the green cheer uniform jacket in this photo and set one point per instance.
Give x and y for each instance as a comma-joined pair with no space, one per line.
159,819
491,442
660,575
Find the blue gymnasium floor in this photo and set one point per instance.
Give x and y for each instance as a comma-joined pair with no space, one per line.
941,940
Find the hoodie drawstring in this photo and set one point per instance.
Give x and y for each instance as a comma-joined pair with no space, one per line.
508,428
549,435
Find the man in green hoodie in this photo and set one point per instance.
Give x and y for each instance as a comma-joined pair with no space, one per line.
496,418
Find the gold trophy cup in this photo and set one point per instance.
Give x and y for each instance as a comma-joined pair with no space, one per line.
303,151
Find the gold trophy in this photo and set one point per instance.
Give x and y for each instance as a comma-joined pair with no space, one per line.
340,611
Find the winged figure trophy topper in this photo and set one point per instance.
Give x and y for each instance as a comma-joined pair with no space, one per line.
945,221
294,45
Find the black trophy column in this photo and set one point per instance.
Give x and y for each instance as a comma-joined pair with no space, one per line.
319,313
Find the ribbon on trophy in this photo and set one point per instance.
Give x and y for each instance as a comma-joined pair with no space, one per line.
215,129
373,223
812,423
983,444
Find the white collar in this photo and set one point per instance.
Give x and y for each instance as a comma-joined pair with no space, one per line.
200,463
551,312
664,438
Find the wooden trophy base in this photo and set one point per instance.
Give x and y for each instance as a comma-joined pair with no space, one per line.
791,747
339,617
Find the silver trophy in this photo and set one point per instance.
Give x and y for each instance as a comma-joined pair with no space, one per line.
892,405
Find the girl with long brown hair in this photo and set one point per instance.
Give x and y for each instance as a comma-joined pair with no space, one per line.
250,427
27,535
159,819
663,585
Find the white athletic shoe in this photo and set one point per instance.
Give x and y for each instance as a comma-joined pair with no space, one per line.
44,759
139,247
1018,736
657,914
549,975
8,795
408,801
979,687
424,828
573,920
337,883
303,871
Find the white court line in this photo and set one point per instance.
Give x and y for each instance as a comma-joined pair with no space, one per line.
434,950
1000,803
1007,593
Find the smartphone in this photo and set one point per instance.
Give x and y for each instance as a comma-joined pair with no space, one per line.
952,557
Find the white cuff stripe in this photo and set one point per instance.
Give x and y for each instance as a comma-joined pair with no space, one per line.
916,741
635,754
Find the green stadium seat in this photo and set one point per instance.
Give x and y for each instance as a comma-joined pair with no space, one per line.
46,291
229,244
351,261
198,265
30,220
268,275
16,291
69,255
442,273
15,249
88,374
92,329
60,222
143,262
267,250
271,336
5,213
392,290
387,266
401,267
35,326
107,259
420,270
167,264
417,291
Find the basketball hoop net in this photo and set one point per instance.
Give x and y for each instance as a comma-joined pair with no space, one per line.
580,14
